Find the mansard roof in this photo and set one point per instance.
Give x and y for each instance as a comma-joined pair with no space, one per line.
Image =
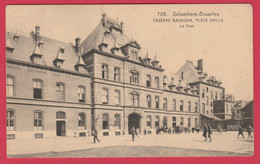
96,38
25,47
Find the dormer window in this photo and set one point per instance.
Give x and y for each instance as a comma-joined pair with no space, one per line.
58,61
134,55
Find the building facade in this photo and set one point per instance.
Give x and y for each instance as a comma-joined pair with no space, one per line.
60,89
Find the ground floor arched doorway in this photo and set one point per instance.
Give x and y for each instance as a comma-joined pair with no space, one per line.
133,121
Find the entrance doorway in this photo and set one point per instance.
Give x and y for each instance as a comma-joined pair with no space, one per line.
133,121
61,128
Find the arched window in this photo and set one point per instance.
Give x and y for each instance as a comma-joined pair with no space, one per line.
117,97
38,120
181,121
173,122
157,105
181,105
105,121
189,122
82,121
203,108
196,122
81,94
116,74
61,115
148,81
9,86
148,99
157,122
157,83
148,123
165,122
196,107
104,96
60,90
134,78
104,71
37,89
174,105
117,121
189,106
135,99
10,119
164,103
227,107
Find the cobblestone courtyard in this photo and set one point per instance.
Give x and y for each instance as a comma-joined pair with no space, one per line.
164,145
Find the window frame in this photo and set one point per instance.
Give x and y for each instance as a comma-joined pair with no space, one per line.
165,103
149,120
42,89
84,93
148,81
157,103
60,92
9,119
105,72
149,101
174,104
135,97
181,105
117,98
116,74
37,127
107,95
107,115
157,82
9,85
80,122
117,122
134,77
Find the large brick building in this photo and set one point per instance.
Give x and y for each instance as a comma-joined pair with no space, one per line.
60,89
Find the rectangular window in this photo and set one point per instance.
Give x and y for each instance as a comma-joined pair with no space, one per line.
9,86
10,120
181,105
38,120
37,89
104,96
148,81
81,94
157,122
105,121
174,105
148,123
60,92
82,121
116,74
104,71
164,103
149,104
117,97
157,102
203,93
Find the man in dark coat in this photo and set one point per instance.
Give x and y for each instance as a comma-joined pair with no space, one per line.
95,134
209,132
133,132
249,130
205,130
240,131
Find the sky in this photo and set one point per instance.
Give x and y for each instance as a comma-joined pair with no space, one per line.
226,47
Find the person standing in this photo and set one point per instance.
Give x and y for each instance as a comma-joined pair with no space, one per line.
95,134
209,132
205,130
249,131
240,131
133,131
219,128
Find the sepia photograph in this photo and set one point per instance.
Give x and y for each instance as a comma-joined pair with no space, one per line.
129,80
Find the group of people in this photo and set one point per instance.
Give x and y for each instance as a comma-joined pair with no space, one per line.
207,131
240,131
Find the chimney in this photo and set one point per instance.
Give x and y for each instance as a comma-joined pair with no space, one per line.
122,27
104,19
200,65
77,45
37,30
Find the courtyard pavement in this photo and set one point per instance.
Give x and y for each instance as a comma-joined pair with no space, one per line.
227,142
